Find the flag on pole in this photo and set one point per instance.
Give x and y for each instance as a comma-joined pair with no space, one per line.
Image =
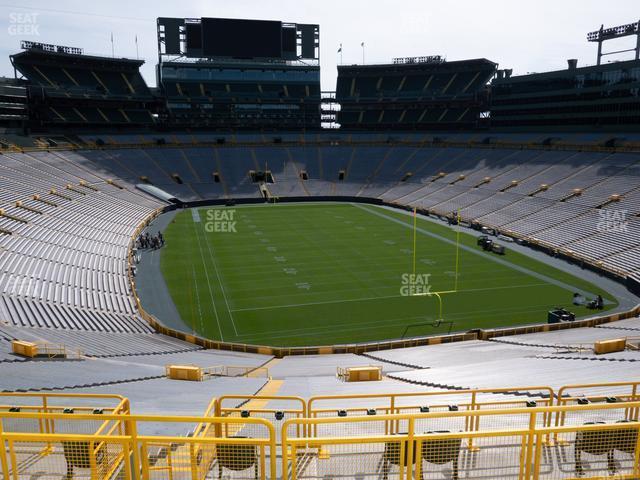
362,44
340,49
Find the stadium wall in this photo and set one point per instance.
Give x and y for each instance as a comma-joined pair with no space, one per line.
489,142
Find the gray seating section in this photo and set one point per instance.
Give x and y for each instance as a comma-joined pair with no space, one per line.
72,373
569,337
65,263
170,397
64,374
455,353
202,358
630,324
99,344
560,198
64,267
323,365
526,360
306,387
553,372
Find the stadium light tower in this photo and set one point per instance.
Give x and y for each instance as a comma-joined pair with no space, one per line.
604,34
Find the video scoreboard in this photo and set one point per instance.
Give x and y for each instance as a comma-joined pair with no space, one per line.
238,39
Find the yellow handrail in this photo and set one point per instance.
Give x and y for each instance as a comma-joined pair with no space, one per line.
521,434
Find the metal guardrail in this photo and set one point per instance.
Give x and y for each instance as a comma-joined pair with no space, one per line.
128,455
512,442
57,402
471,400
54,350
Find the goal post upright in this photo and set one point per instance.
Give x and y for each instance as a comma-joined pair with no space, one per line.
439,305
439,294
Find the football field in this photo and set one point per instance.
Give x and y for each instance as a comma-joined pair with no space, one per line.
321,274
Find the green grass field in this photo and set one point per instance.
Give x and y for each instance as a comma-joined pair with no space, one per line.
322,274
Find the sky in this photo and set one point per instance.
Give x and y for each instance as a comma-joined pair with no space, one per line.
531,36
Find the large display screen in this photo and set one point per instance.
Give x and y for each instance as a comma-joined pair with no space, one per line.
237,38
222,37
194,36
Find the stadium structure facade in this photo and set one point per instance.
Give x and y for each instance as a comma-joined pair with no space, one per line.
240,95
68,90
423,93
603,96
277,87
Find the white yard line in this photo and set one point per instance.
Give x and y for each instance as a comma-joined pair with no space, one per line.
215,310
224,295
293,305
195,283
367,325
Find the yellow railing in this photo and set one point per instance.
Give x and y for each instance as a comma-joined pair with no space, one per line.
612,392
196,373
44,349
290,406
599,392
507,443
131,454
432,401
206,430
513,443
274,409
55,402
